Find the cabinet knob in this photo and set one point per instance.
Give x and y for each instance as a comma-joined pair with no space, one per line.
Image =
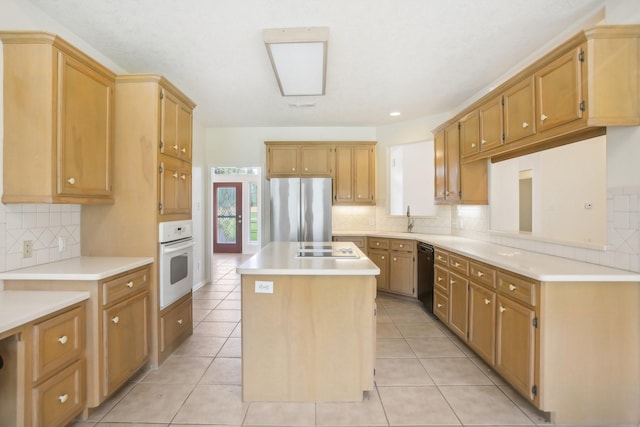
457,264
115,319
293,169
63,339
179,321
473,145
175,147
130,284
184,150
63,398
382,257
480,274
439,257
484,141
175,175
377,243
439,305
306,169
487,301
452,281
512,287
71,180
502,309
525,125
395,259
183,177
439,279
543,117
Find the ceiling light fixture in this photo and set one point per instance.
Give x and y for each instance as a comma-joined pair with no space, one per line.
299,59
395,113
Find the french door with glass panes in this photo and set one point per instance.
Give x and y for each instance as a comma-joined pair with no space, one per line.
227,219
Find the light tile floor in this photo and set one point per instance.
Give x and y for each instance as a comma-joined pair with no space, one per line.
425,376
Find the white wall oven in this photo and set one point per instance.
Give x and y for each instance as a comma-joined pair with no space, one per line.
175,261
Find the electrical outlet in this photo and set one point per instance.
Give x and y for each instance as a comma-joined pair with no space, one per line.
27,249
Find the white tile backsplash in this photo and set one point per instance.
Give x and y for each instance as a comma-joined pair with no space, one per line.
43,224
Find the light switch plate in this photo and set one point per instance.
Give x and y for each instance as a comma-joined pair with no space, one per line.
263,287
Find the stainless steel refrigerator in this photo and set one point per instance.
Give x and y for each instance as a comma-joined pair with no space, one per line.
301,209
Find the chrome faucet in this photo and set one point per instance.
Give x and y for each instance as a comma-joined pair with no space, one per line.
409,220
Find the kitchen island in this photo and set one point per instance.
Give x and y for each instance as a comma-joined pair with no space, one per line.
308,323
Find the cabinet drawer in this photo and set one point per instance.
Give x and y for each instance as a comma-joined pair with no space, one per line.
482,274
120,287
359,241
56,342
376,243
441,307
402,245
517,287
58,400
175,323
441,280
459,264
441,257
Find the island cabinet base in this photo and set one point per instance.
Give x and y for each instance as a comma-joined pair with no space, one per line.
311,339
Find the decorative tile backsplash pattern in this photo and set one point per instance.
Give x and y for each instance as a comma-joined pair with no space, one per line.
47,226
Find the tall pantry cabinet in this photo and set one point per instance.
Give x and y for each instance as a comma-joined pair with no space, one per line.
153,140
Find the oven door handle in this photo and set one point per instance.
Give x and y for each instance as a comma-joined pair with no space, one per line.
175,248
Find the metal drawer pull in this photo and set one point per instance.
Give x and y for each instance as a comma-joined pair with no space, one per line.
502,309
130,284
115,319
63,339
480,274
179,321
487,301
63,398
512,287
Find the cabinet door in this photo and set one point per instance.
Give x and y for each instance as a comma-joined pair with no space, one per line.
458,289
402,273
85,131
439,167
490,116
515,344
559,90
363,175
175,127
126,340
519,111
381,259
58,400
175,187
470,134
316,161
482,322
452,144
282,161
344,171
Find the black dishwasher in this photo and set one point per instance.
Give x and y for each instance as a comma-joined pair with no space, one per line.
425,275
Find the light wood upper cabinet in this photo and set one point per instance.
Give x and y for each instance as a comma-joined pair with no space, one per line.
519,111
176,125
58,122
440,167
289,160
470,134
490,116
571,94
175,187
354,182
452,159
559,91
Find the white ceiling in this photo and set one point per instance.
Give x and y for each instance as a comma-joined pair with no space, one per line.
420,57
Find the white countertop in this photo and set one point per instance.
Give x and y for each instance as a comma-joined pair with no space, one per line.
80,268
280,258
546,268
20,307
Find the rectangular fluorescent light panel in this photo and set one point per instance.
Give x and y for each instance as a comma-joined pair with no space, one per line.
298,57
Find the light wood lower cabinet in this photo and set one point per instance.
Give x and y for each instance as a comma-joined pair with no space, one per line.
117,325
402,267
482,322
176,323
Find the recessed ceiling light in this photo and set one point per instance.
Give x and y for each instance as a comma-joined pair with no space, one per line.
395,113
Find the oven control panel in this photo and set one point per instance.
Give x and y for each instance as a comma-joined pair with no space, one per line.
174,230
